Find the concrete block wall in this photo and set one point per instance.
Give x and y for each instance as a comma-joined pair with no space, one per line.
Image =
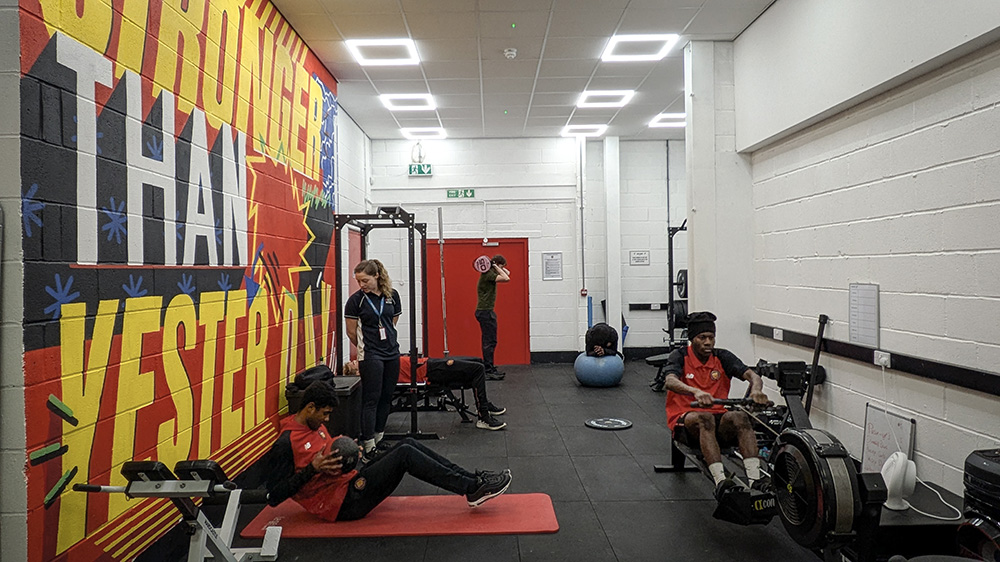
595,226
353,151
900,191
191,193
644,227
719,196
13,491
524,188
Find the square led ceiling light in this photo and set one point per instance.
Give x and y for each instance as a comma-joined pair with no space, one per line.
676,120
605,98
383,52
421,133
583,130
630,48
408,102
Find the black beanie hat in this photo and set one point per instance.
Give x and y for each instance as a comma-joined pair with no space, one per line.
700,322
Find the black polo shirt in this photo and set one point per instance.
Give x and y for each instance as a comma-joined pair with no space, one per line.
366,308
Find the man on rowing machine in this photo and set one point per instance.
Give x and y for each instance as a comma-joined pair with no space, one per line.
704,371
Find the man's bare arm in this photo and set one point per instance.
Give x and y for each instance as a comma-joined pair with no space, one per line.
674,384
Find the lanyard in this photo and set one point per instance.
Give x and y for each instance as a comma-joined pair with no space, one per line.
381,307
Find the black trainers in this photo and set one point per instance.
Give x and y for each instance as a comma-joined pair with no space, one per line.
491,485
495,410
495,375
725,487
763,484
490,423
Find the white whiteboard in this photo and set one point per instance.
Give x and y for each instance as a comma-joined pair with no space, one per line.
882,432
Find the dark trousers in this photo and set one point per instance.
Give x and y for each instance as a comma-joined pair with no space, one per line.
464,372
488,325
379,478
378,381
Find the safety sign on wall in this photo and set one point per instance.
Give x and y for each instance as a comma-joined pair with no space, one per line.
552,265
638,257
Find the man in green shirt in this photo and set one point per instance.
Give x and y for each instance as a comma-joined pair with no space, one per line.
487,291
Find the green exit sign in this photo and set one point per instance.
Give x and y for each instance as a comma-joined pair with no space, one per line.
461,194
421,170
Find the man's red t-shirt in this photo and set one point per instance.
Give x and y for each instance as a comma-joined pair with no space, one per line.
713,377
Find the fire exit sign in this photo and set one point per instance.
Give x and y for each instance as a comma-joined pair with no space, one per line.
461,194
421,170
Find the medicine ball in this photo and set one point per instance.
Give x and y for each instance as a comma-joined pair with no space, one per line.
348,451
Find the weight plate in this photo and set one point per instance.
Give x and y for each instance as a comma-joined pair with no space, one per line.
482,264
609,423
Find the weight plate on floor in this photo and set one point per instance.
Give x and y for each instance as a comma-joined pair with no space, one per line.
609,423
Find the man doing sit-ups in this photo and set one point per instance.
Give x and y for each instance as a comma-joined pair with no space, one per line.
703,372
302,466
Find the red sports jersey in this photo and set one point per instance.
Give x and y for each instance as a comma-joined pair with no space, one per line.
404,369
324,493
708,376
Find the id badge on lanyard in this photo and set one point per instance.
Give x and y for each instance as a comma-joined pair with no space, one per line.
382,335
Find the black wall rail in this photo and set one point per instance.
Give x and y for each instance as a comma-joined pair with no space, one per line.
983,381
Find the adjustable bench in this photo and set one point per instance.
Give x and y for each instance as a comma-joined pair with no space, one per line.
442,396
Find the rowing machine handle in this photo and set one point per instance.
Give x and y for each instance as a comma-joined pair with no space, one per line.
86,488
721,402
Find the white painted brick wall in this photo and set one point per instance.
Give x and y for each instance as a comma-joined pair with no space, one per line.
353,147
525,188
901,192
644,227
13,495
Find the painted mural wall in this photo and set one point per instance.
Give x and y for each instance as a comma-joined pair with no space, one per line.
178,189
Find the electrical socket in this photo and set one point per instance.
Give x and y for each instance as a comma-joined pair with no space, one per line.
779,334
883,358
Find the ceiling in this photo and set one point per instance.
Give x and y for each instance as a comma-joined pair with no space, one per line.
479,93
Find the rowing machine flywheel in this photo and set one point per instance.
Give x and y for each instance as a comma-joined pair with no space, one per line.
816,487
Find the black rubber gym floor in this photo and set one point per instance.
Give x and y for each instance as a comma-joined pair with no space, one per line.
609,502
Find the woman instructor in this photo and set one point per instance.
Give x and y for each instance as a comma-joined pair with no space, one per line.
371,314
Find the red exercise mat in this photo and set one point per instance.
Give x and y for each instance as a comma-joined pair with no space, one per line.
409,516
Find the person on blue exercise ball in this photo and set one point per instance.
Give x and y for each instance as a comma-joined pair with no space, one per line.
703,371
303,465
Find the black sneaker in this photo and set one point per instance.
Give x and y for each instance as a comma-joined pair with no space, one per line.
495,375
495,410
763,484
490,423
725,487
491,485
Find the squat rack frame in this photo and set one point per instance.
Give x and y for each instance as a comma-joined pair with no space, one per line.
386,217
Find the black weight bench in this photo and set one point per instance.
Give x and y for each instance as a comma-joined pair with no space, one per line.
431,397
658,361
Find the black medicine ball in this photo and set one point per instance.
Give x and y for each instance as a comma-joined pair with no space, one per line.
348,451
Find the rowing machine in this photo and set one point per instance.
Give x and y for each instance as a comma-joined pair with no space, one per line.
195,479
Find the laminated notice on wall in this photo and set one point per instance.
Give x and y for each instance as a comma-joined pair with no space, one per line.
864,321
552,266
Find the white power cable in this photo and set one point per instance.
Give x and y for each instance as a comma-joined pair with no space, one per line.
885,410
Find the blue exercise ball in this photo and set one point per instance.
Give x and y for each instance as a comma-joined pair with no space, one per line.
599,371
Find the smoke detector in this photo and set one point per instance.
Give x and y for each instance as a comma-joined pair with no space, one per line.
510,53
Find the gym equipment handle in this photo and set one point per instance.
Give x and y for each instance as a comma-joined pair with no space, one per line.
87,488
725,402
